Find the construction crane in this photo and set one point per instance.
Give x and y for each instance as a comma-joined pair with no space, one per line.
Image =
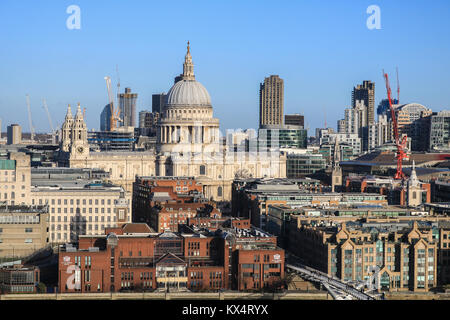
118,80
30,123
48,114
114,113
400,144
49,121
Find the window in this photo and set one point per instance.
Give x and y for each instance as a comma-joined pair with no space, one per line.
28,230
219,191
202,170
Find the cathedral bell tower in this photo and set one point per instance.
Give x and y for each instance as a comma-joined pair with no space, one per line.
80,146
74,135
66,131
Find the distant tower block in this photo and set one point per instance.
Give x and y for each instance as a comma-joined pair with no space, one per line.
14,134
271,101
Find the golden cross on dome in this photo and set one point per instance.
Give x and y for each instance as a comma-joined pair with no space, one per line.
188,47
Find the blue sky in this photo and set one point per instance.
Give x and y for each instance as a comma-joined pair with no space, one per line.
320,48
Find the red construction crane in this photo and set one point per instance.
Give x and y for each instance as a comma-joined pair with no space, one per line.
401,145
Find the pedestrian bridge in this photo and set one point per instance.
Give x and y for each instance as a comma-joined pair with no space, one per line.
337,288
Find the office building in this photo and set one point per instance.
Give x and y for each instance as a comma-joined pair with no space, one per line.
365,92
440,131
18,279
294,120
414,121
14,134
282,136
271,101
148,122
105,118
80,207
23,229
251,197
158,102
127,107
122,139
299,165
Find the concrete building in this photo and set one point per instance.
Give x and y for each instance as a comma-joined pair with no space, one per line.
414,121
251,197
81,207
14,134
440,131
148,122
341,126
365,92
15,178
351,139
271,101
23,229
127,107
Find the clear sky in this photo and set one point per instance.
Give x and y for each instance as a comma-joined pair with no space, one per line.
320,48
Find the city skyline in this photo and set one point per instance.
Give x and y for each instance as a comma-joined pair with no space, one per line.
231,59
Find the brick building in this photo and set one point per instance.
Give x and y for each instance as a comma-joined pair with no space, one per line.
398,254
168,217
134,258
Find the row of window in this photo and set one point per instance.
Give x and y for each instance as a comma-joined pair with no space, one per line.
76,201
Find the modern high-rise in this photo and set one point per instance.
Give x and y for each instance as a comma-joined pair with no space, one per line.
440,131
105,118
14,134
158,101
366,93
127,107
271,101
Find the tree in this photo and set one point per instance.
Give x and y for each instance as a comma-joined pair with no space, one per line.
41,287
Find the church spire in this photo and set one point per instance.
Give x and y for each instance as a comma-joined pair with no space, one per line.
188,66
413,180
69,113
79,114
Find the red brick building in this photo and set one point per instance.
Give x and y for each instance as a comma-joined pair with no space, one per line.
167,217
134,258
152,194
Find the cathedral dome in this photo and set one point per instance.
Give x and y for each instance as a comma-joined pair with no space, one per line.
188,93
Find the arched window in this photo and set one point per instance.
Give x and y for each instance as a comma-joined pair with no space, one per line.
202,170
219,191
414,195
